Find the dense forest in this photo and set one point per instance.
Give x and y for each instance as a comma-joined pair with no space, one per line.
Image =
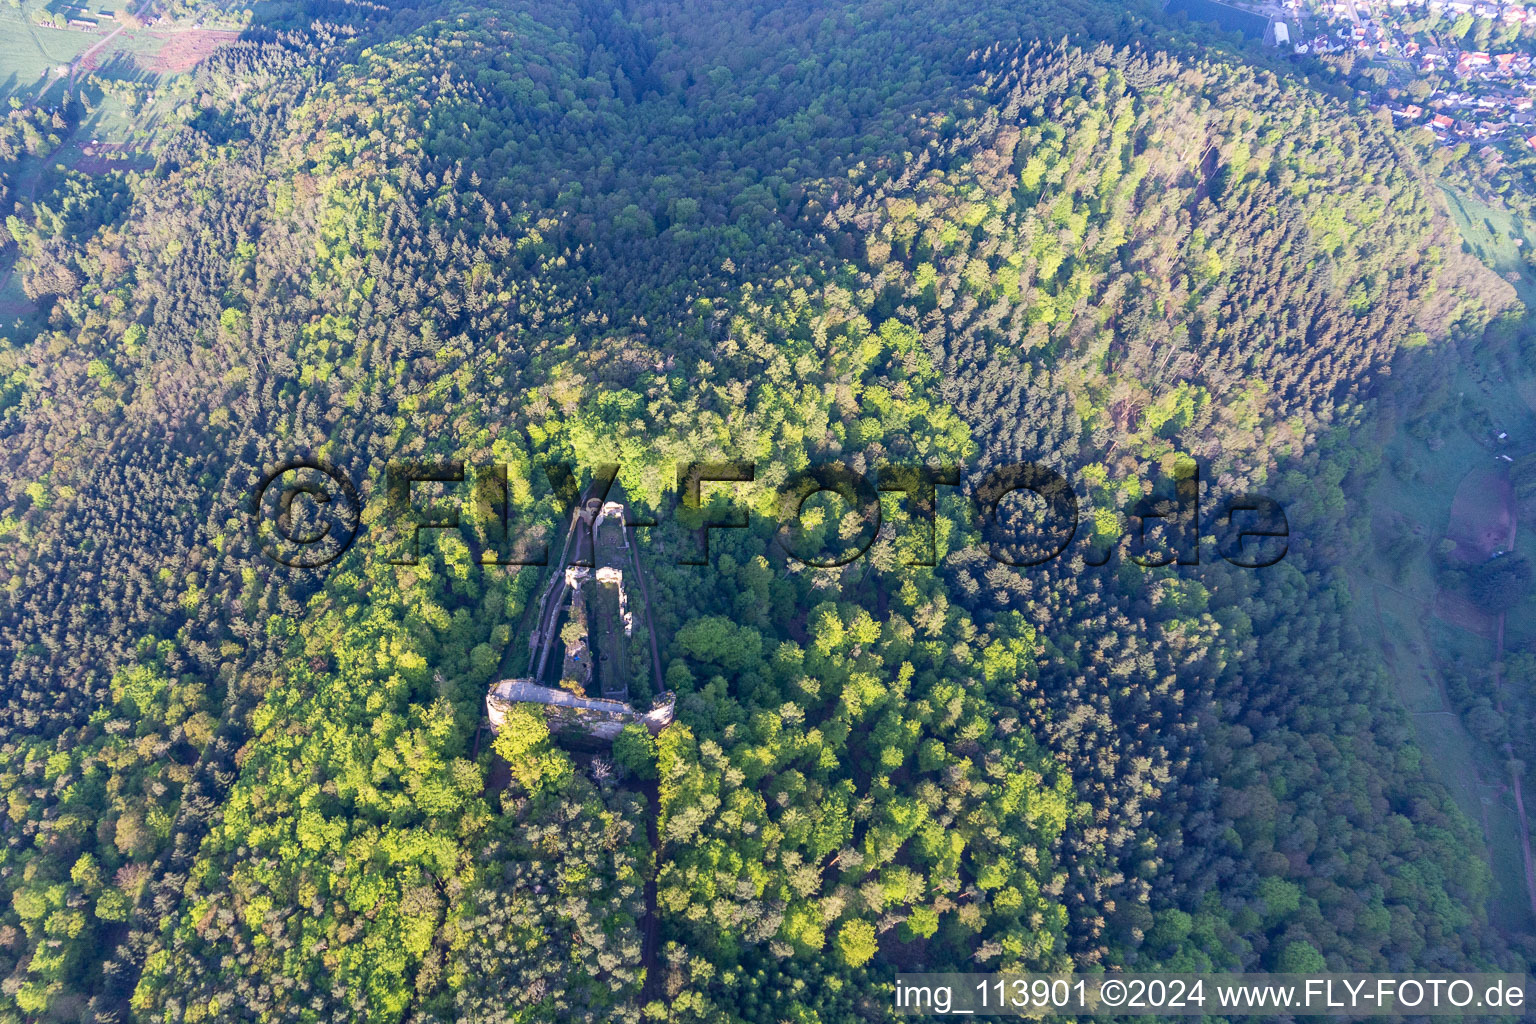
870,232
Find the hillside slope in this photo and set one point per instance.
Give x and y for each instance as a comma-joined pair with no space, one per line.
662,233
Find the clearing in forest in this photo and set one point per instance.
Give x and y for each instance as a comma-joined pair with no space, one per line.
1526,389
1481,525
1482,520
187,48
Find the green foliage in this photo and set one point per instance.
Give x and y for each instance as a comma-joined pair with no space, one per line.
1300,957
524,743
536,234
634,750
856,943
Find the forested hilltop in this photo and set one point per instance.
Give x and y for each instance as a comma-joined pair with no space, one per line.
527,234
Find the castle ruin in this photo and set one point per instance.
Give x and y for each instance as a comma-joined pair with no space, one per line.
598,621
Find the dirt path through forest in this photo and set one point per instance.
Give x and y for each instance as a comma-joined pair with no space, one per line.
1483,524
651,927
652,924
645,598
1514,773
1497,533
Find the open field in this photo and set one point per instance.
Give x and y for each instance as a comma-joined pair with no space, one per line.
1527,391
30,54
1480,525
1492,234
157,51
1482,516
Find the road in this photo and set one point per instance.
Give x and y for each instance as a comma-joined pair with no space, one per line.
146,15
75,65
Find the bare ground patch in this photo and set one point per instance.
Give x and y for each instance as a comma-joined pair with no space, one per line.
186,48
1482,517
1482,522
101,157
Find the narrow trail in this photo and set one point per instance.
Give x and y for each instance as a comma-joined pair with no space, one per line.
651,926
1508,748
1514,773
1515,768
147,15
645,596
76,64
548,614
550,603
